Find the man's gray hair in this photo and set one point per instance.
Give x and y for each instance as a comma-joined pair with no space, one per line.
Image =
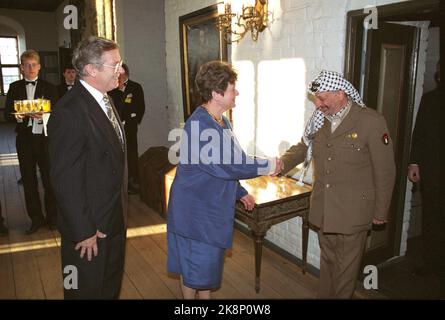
89,51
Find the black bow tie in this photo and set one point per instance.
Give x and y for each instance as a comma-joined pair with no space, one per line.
30,82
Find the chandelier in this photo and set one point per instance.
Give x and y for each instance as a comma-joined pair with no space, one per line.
252,18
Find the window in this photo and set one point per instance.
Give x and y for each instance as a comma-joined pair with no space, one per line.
9,62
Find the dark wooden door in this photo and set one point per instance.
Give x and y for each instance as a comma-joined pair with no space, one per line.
390,63
49,71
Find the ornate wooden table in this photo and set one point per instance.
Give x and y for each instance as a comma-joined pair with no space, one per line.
277,199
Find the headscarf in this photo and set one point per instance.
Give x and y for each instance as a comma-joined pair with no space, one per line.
325,81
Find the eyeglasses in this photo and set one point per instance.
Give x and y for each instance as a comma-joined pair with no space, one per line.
116,67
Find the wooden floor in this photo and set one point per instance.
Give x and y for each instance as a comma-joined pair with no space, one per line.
30,266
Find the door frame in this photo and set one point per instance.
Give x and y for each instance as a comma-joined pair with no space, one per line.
352,71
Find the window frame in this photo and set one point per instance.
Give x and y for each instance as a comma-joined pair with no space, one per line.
2,88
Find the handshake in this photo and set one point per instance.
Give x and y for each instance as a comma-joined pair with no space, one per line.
277,166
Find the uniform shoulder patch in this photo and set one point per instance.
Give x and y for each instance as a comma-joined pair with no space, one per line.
385,139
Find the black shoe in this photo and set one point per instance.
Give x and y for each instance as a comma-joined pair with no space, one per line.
3,230
20,181
34,227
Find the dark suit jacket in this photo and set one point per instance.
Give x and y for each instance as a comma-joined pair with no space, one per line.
426,142
17,91
88,168
63,88
130,101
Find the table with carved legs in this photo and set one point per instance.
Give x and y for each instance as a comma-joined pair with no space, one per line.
277,199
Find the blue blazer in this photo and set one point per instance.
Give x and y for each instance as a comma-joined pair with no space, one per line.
205,188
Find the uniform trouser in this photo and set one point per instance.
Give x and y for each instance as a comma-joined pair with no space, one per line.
100,278
131,134
431,226
340,260
32,151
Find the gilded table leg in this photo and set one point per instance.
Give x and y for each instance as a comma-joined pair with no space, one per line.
305,239
258,239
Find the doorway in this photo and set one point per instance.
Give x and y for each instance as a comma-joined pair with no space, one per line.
383,63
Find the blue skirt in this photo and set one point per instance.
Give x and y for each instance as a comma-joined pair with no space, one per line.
199,263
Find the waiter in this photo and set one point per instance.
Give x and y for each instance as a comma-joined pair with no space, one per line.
31,143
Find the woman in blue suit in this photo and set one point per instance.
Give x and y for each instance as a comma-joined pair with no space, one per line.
201,208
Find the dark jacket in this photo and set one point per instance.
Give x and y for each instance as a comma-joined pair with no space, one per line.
131,101
88,167
425,147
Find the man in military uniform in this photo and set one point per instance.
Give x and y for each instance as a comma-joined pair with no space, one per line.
354,174
130,102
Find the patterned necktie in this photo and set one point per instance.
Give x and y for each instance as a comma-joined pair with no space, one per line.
112,117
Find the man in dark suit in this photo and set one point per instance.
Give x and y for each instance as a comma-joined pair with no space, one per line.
424,168
129,99
69,74
31,142
354,173
89,175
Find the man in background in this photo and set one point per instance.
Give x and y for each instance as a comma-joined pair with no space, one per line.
129,99
424,168
69,74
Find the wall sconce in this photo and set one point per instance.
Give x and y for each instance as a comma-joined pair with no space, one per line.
252,18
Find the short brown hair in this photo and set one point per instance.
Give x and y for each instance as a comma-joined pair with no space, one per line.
214,76
89,51
29,54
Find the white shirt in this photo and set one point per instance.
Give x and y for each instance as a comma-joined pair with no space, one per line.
338,118
37,124
99,97
30,89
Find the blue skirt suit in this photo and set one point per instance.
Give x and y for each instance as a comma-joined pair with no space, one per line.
201,208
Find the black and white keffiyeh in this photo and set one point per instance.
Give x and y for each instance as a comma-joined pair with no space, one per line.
325,81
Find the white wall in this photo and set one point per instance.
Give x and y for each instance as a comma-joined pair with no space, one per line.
141,37
39,27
